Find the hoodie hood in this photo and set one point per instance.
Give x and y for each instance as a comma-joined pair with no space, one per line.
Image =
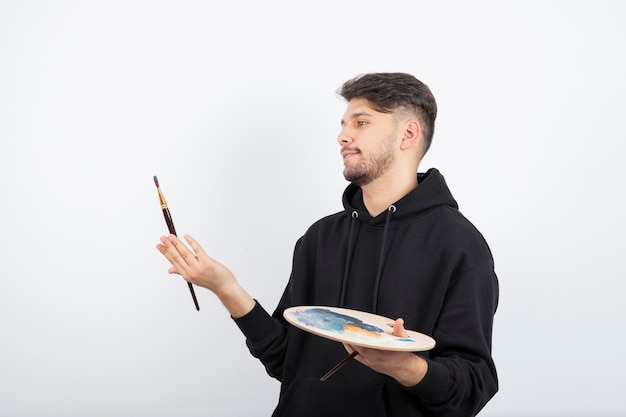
432,191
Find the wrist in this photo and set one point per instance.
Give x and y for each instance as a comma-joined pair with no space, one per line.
413,373
236,300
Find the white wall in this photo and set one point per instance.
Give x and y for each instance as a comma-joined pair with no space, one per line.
233,106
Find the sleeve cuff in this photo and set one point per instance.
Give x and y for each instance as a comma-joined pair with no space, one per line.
257,324
435,382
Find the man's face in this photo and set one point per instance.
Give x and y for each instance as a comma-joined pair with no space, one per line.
369,140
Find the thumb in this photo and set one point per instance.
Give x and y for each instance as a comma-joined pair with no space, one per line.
398,328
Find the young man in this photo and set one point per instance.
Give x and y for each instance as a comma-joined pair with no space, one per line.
401,249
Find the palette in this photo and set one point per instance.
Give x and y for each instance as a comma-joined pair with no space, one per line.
356,328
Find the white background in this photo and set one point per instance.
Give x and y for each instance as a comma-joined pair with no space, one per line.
232,105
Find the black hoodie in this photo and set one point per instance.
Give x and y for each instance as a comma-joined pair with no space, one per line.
421,260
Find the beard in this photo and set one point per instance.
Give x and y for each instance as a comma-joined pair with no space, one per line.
373,166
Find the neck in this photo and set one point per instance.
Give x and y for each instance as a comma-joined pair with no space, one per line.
383,192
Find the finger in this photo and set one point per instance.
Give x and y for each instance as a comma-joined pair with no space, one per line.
163,250
165,246
172,252
187,256
195,246
164,242
348,348
398,328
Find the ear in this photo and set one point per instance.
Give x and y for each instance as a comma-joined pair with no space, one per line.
412,135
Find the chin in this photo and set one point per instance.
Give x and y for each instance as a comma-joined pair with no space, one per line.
358,180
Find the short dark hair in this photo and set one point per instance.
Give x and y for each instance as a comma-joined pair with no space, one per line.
387,92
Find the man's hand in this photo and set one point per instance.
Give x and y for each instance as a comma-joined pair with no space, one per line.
197,267
405,367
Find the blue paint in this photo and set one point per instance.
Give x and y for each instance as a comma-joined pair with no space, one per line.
326,319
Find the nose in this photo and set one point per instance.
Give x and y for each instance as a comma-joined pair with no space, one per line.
344,137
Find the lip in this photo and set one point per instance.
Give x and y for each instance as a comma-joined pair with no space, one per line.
348,153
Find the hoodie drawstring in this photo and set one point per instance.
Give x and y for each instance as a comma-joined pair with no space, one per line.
346,269
351,245
381,258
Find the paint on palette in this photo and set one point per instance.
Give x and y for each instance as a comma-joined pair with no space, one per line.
328,320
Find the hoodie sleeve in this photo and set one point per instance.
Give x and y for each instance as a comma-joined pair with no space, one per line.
266,338
461,375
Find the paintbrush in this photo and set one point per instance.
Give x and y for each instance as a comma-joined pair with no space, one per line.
339,365
170,226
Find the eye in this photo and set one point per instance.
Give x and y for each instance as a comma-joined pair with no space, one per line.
361,123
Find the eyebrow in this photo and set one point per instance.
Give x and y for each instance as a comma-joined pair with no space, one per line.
356,116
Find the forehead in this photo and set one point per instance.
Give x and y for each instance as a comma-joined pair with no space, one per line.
360,107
